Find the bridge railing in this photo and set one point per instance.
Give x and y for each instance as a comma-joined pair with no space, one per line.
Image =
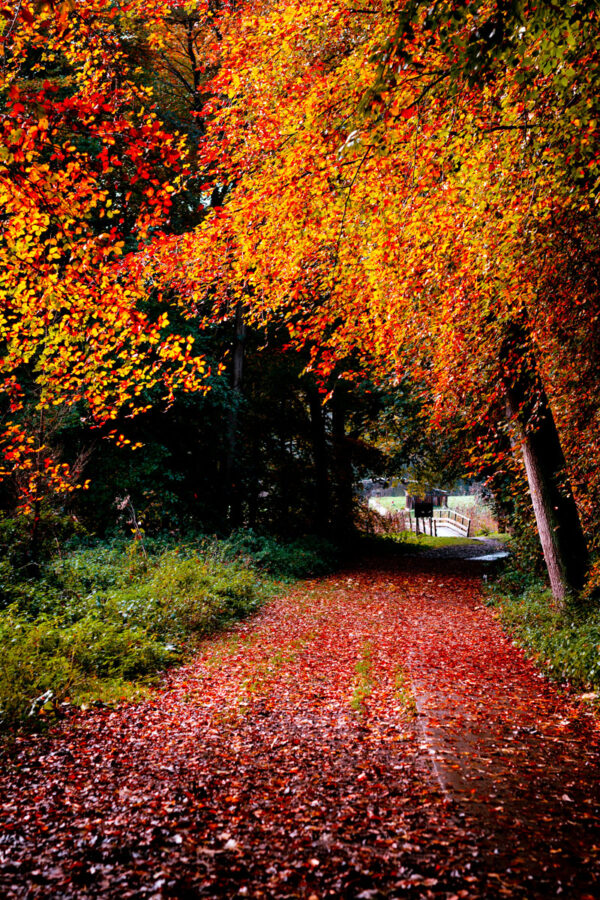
454,519
407,520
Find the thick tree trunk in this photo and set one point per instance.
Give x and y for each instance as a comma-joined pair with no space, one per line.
319,452
233,495
343,500
556,514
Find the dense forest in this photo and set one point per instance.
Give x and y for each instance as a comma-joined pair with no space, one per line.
123,375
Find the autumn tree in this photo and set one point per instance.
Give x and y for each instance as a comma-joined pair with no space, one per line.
404,179
87,174
404,189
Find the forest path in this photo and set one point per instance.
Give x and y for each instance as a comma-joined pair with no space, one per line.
287,760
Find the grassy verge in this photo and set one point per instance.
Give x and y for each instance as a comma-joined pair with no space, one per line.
565,644
426,541
100,622
363,681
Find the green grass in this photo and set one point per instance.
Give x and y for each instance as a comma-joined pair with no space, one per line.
102,621
564,643
427,541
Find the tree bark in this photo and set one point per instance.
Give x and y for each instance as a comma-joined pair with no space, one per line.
233,496
319,453
343,500
556,514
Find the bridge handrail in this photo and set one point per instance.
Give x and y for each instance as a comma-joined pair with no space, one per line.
441,515
444,513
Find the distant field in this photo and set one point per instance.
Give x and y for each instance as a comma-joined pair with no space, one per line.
392,502
453,502
465,500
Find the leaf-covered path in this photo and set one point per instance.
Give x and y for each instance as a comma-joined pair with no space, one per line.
290,759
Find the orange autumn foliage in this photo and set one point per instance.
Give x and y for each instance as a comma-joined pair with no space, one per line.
397,184
87,173
400,205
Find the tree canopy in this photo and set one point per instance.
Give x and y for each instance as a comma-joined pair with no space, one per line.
409,191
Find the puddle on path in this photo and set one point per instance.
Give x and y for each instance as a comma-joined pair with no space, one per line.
492,557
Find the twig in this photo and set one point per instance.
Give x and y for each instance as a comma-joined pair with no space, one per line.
352,183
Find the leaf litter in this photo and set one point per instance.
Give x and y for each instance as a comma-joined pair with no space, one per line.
372,734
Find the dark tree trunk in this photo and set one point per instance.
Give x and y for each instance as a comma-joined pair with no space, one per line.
343,499
283,520
319,453
233,492
557,517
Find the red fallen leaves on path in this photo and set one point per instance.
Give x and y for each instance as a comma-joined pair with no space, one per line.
285,761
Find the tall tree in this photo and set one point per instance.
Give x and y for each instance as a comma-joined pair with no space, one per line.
87,173
399,188
398,185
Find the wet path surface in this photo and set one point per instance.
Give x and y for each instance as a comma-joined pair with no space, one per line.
373,734
504,745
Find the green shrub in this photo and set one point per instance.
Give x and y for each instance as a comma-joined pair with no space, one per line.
35,538
34,668
105,615
302,558
105,647
565,643
101,615
98,567
184,593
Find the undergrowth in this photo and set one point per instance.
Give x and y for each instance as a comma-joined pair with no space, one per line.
100,621
564,643
301,558
427,541
398,541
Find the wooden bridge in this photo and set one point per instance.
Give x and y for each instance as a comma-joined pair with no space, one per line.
443,523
